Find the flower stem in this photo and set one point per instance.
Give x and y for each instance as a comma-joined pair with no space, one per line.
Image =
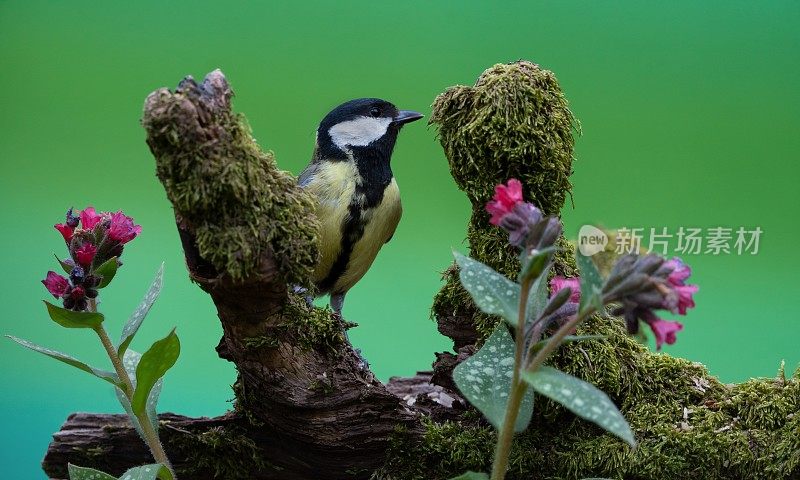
518,388
555,340
148,432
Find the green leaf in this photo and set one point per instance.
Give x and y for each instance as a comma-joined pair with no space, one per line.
130,362
107,270
485,380
537,298
64,265
533,265
591,283
155,362
558,301
71,319
83,473
147,472
109,377
582,398
472,476
493,293
137,317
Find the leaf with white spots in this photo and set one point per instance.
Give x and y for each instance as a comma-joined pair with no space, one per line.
484,379
136,319
83,473
591,283
493,293
109,377
130,362
582,398
155,362
147,472
471,476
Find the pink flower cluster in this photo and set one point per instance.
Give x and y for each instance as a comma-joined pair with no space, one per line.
526,225
677,300
92,239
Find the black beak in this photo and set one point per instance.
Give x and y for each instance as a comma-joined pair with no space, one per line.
406,116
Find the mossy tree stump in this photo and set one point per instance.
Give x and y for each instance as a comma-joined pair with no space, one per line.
306,410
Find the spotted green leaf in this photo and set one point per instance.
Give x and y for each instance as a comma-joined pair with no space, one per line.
130,362
582,398
472,476
155,362
591,283
147,472
109,377
107,270
71,319
83,473
493,293
538,296
137,317
484,379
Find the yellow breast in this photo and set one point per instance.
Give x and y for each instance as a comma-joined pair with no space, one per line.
332,187
380,224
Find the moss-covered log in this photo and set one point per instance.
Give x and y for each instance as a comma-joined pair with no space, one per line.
306,410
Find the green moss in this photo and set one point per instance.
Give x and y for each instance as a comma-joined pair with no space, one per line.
226,453
688,424
312,327
226,190
514,122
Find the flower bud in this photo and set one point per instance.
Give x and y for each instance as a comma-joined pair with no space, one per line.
72,219
77,275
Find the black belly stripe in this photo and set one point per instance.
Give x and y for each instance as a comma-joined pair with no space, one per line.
352,231
372,164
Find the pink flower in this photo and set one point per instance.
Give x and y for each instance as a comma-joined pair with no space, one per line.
122,229
677,280
685,300
66,231
85,254
680,271
57,285
89,218
558,282
664,331
506,197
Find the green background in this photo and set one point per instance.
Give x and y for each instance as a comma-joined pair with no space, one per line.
690,112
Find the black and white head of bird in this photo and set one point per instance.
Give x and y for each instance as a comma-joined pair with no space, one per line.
362,125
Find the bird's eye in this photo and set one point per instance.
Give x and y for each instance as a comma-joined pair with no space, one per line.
375,112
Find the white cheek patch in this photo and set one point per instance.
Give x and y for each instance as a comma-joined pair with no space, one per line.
359,132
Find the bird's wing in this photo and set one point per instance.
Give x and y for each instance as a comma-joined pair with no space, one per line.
308,174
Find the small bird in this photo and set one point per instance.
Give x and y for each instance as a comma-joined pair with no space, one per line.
357,199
